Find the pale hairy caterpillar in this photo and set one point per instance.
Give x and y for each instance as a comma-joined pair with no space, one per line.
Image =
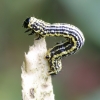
74,40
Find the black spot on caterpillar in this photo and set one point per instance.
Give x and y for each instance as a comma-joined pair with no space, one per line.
74,40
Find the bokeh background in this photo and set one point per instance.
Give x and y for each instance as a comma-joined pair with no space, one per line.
80,76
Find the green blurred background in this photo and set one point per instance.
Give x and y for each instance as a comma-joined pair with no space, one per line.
80,76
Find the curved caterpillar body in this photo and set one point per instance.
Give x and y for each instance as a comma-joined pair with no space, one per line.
74,40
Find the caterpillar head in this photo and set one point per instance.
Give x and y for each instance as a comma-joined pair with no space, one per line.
26,22
29,22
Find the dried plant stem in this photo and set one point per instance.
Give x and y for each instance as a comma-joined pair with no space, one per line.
36,83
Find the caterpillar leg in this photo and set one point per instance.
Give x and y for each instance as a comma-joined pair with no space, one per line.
39,37
48,55
55,66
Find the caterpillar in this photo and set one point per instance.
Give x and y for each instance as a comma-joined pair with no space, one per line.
74,40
